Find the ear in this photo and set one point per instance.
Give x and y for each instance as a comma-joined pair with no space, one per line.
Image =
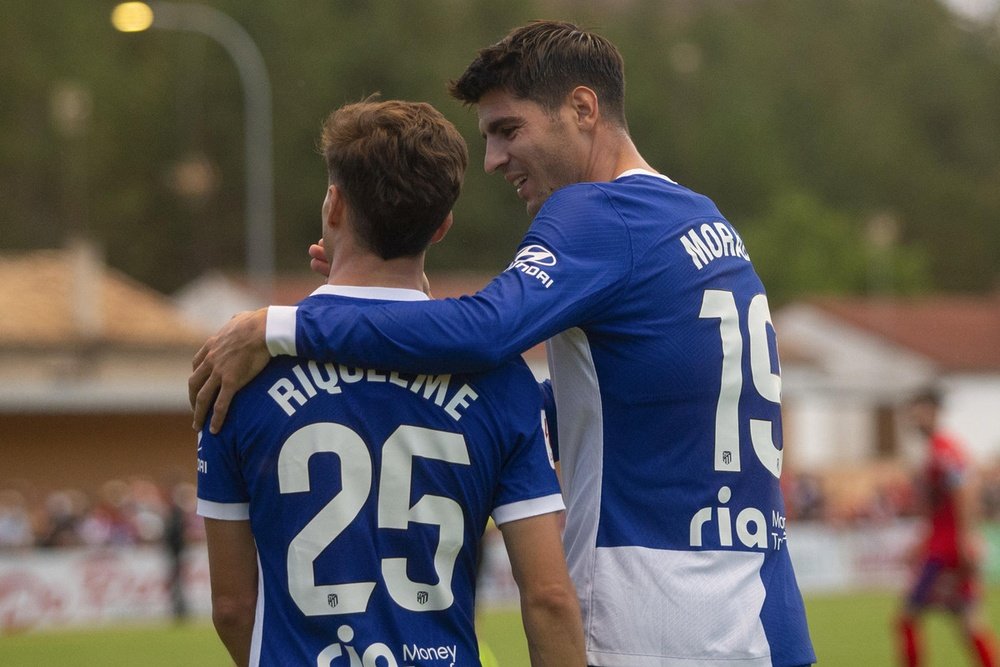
443,229
585,105
333,207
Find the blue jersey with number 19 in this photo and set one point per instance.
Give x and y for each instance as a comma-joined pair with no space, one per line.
367,492
667,388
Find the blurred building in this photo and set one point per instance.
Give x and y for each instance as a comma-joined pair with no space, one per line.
94,368
93,373
853,363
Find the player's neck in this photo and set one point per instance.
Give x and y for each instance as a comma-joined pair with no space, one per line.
372,271
614,154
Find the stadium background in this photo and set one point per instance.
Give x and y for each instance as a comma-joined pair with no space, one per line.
856,146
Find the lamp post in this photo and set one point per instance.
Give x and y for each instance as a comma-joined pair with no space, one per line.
140,16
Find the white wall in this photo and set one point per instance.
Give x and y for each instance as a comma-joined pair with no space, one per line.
972,413
823,431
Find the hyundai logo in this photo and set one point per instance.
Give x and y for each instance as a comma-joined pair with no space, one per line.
535,254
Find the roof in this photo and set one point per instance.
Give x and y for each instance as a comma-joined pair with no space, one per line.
65,298
956,332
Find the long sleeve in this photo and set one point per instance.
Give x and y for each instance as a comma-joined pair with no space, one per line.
565,273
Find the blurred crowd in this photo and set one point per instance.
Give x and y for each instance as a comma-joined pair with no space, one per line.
121,512
138,511
874,495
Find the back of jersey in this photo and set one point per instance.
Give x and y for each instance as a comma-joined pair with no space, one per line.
668,391
367,493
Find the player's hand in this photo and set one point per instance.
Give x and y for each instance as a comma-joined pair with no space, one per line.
225,364
317,259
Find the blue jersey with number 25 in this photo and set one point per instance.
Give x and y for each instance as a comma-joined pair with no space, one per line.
367,491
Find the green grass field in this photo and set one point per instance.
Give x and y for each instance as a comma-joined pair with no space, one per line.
848,631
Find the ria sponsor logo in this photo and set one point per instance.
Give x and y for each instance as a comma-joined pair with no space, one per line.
530,260
328,657
381,655
750,525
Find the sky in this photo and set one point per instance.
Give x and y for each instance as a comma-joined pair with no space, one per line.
975,9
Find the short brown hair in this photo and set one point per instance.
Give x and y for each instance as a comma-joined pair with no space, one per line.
542,62
400,167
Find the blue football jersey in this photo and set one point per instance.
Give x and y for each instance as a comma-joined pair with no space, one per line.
667,390
367,492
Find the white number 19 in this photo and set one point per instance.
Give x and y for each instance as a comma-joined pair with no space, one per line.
721,305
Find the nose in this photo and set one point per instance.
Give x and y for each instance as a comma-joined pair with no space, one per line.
495,157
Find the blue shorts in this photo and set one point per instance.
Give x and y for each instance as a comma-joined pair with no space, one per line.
940,584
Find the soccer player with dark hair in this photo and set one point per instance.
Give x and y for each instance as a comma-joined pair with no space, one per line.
662,354
344,505
950,552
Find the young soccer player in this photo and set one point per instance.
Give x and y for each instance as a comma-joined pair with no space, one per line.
344,505
661,351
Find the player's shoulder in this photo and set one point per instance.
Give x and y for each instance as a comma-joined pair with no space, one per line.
511,383
570,201
511,372
636,194
275,368
947,447
247,400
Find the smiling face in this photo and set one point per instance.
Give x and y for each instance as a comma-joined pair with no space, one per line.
535,150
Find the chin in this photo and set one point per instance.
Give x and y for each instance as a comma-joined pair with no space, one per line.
534,205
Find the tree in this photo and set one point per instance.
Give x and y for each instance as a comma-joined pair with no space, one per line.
801,247
856,106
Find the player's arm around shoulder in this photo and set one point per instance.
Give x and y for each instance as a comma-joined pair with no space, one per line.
549,607
232,563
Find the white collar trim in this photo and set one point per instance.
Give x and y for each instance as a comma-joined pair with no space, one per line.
643,172
381,293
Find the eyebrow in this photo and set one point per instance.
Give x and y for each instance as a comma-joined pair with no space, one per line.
497,122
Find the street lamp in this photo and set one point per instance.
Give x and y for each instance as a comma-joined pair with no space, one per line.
139,16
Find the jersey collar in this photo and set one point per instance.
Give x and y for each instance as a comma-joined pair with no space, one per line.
643,172
380,293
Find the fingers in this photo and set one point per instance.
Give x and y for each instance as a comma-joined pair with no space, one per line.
199,357
197,381
220,408
227,362
317,259
320,267
203,399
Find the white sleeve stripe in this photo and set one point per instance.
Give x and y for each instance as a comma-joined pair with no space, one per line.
528,508
224,511
280,330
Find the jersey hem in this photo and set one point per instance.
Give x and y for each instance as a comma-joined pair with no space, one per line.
631,660
224,511
524,509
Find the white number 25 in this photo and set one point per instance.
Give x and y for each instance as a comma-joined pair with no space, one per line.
394,511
